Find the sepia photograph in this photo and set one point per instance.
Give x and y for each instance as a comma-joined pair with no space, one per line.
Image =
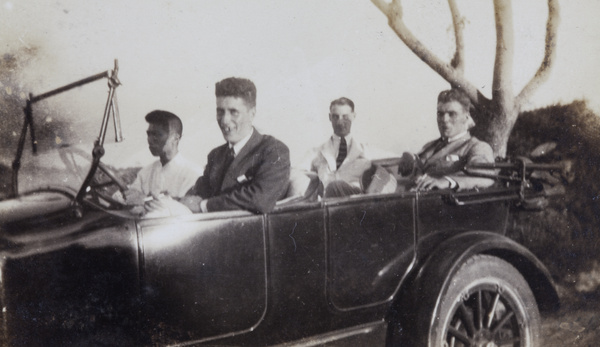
300,173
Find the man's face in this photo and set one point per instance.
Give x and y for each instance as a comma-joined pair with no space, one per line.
234,117
341,117
160,140
452,119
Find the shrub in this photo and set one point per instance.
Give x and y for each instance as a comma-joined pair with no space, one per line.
566,235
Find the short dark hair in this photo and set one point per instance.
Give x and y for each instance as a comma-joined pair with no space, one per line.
237,87
342,101
455,95
166,119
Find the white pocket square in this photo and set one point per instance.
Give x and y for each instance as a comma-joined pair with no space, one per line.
452,157
242,179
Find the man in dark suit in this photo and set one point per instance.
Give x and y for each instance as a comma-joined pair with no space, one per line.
439,164
249,172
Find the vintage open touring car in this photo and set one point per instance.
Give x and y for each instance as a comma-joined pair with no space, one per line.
403,268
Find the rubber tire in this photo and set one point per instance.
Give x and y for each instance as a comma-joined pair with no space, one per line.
487,273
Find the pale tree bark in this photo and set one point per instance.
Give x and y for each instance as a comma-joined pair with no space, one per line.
503,112
543,71
495,117
458,23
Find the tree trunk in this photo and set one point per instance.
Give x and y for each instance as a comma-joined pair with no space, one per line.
494,122
494,117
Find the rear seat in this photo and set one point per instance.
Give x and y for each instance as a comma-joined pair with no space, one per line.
303,186
379,180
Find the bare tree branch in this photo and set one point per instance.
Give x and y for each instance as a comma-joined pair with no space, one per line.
458,61
543,71
383,6
394,13
495,117
502,90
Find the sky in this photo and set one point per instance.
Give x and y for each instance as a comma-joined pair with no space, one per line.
300,54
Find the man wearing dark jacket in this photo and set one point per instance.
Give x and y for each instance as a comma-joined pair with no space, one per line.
439,164
250,171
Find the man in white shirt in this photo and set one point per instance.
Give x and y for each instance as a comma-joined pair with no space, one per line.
341,160
172,174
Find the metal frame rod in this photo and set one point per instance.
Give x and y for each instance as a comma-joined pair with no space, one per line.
98,151
515,165
116,119
106,116
16,165
81,82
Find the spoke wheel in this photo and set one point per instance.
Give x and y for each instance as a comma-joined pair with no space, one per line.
487,304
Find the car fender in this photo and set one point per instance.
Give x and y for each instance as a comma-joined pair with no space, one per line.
433,275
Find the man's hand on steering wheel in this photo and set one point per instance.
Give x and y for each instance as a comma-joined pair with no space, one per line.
101,193
134,197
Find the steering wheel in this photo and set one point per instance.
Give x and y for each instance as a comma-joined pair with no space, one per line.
99,187
102,180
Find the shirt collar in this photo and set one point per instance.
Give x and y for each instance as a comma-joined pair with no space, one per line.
238,146
457,137
175,159
337,138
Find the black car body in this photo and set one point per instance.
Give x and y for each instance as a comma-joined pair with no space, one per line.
79,270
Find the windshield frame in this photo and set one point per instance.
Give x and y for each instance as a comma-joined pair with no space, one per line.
111,108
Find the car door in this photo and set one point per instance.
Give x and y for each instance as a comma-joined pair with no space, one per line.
371,246
447,212
204,275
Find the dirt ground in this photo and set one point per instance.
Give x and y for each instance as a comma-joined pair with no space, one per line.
577,322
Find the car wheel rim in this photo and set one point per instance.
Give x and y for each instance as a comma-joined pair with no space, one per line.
484,318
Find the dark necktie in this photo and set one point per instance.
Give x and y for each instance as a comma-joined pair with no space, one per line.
229,158
342,152
441,144
230,155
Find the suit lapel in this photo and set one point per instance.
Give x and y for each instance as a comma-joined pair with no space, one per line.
328,152
230,176
449,148
216,174
428,151
354,152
